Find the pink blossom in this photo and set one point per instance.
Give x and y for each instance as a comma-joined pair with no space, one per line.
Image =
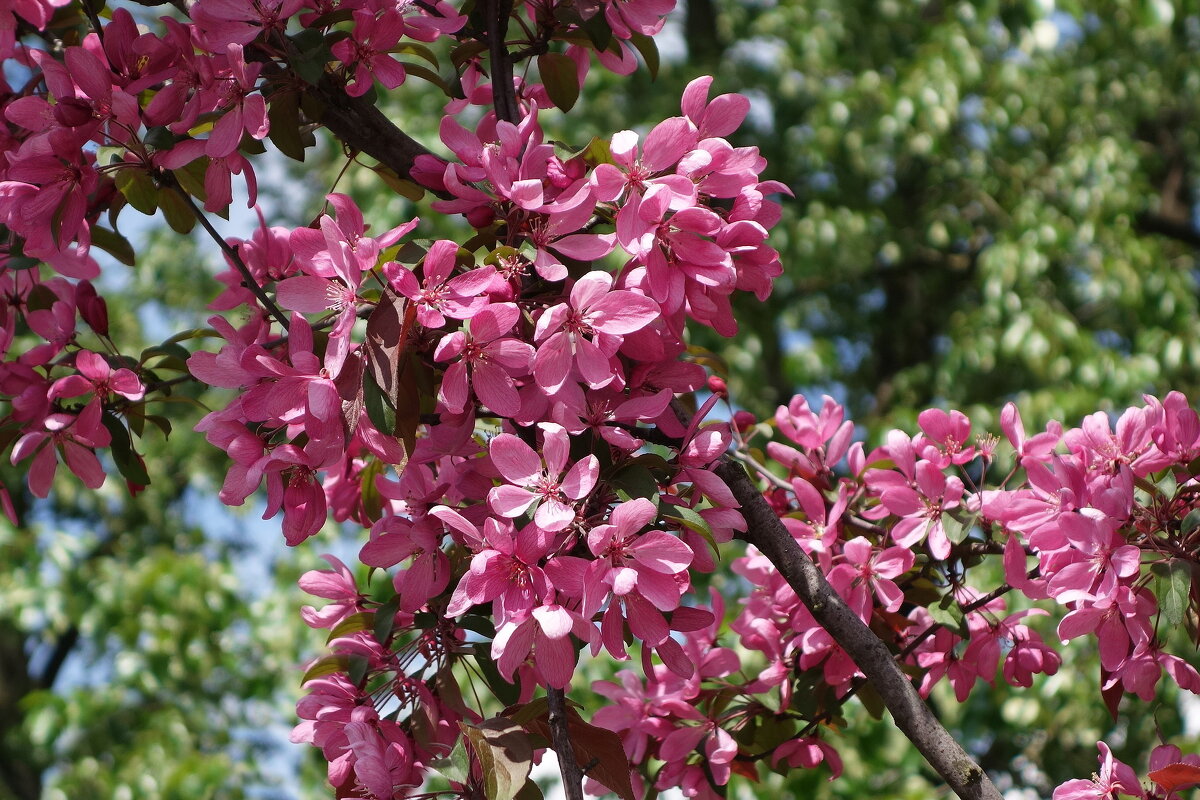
532,480
367,52
441,296
75,437
485,361
1115,779
586,332
720,116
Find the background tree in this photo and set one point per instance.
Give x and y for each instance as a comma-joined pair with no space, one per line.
1027,170
932,155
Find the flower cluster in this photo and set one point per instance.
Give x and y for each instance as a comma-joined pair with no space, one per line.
515,422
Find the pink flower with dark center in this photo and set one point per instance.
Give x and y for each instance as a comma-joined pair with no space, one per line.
544,633
1115,777
484,360
441,296
920,509
866,570
395,539
947,434
245,109
628,560
505,567
584,333
76,437
96,376
666,143
337,585
534,481
366,53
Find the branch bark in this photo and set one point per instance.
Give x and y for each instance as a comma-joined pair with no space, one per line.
568,767
504,99
363,127
765,531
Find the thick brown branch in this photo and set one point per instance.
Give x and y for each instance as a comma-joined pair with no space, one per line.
363,127
765,531
503,97
568,767
357,123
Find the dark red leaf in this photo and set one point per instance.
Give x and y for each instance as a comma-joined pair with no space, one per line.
597,750
1112,695
1174,777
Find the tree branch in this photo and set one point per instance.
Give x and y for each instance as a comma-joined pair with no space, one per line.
62,648
357,123
248,279
363,127
560,738
1155,223
765,531
503,96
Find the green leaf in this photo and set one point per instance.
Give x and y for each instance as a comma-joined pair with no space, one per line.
634,480
130,464
407,189
114,244
138,189
481,625
455,767
327,665
528,712
949,614
194,333
530,791
649,50
160,138
191,178
178,213
175,355
466,51
313,55
358,668
1190,522
506,692
420,51
1173,592
561,79
385,618
355,623
691,519
284,116
598,31
379,409
505,755
426,74
957,530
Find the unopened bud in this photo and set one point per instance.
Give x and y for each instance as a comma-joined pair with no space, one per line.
92,307
717,386
744,421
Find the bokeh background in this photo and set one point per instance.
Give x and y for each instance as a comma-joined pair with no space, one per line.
993,201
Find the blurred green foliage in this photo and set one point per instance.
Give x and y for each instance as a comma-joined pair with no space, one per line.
993,201
148,648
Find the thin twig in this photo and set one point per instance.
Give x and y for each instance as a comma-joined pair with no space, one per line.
234,257
560,738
